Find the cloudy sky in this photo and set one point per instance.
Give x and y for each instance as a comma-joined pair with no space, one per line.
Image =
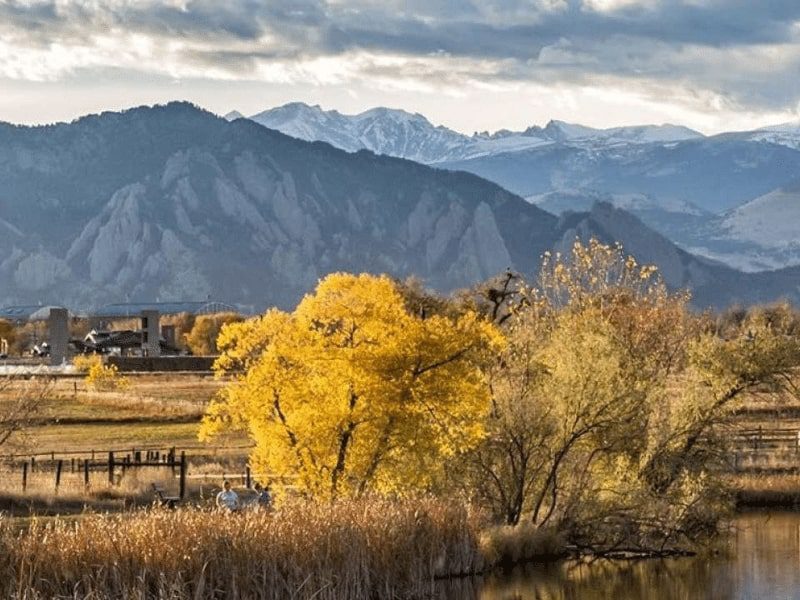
469,64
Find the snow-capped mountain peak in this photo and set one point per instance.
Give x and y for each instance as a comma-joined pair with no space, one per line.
382,130
397,132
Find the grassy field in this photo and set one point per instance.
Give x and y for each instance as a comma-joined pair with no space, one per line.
162,410
155,412
156,409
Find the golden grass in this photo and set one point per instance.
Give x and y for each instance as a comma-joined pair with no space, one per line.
158,410
757,490
372,549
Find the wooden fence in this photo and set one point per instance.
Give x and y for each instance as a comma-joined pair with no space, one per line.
115,463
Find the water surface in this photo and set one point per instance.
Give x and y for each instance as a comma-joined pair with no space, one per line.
763,563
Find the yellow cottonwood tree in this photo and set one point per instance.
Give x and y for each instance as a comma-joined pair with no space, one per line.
353,393
202,339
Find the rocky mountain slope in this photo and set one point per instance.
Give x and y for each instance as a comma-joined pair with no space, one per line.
174,203
676,180
705,278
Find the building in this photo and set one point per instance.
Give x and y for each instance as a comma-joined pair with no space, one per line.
127,310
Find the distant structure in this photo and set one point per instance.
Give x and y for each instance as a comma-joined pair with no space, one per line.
151,333
58,326
26,313
151,339
132,310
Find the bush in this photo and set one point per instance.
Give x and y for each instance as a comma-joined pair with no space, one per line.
84,362
104,378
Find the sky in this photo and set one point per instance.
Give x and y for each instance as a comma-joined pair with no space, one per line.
472,65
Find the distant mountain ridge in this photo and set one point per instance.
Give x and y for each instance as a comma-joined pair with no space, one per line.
399,133
173,203
678,181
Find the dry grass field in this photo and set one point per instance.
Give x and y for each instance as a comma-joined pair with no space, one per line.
369,549
157,411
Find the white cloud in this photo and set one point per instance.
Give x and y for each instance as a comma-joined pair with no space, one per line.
701,62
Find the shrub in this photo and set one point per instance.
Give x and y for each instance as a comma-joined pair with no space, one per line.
105,378
84,362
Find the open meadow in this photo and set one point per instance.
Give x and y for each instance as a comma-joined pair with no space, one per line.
76,423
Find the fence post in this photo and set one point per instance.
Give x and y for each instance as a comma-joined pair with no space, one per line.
86,473
110,468
24,476
172,459
33,464
72,465
183,475
59,466
247,477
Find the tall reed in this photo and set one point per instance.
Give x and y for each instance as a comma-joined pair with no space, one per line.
370,549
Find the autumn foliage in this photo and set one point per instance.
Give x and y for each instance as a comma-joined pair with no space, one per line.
352,393
591,402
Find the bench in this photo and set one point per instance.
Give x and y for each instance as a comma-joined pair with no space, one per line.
163,499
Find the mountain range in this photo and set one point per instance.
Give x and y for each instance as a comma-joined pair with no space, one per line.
174,203
687,186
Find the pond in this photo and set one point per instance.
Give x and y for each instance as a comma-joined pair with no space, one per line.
763,563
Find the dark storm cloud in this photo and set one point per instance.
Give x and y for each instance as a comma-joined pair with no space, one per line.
702,43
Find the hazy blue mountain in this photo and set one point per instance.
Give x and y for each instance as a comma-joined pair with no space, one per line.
174,203
705,278
714,174
673,178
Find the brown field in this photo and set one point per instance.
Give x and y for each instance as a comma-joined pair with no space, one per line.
157,411
369,550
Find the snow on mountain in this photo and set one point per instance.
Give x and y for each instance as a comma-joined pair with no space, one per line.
382,130
771,220
782,134
788,138
637,134
792,127
409,135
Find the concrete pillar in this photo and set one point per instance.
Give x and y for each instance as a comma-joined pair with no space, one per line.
58,325
168,333
151,333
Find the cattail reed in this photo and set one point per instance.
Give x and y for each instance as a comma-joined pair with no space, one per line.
370,549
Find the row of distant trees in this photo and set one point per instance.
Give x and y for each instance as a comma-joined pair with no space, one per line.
593,401
195,333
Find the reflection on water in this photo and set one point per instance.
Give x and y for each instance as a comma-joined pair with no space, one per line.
764,563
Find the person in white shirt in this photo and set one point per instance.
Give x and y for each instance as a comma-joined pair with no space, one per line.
227,499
